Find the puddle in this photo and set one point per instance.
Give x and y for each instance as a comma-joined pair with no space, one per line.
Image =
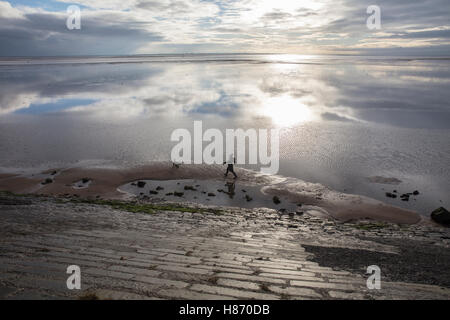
228,193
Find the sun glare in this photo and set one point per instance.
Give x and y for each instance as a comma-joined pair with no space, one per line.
286,111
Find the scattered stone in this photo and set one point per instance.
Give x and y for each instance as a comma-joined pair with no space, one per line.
441,216
190,188
85,180
416,193
391,195
153,192
159,188
276,200
243,190
141,184
54,172
210,194
169,194
47,181
178,194
248,198
405,197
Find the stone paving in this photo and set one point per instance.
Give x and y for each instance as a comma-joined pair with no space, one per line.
235,254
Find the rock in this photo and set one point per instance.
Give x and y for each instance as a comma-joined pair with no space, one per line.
169,194
54,172
178,194
159,188
299,213
405,197
248,198
141,184
416,193
391,195
190,188
276,200
153,192
442,216
85,180
47,181
243,190
211,194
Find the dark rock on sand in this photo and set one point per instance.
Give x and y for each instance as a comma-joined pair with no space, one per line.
169,194
153,192
85,180
178,194
159,188
211,194
441,216
141,184
248,198
190,188
415,193
391,195
47,181
405,197
276,200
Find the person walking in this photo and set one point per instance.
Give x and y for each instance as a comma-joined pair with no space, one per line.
230,166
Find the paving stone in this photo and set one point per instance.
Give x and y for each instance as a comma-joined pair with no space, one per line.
161,282
184,269
183,294
346,295
286,272
107,273
250,278
239,284
324,285
233,292
292,291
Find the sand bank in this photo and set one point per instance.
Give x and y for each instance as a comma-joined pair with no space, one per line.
316,199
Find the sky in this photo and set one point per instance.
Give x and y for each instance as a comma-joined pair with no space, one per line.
118,27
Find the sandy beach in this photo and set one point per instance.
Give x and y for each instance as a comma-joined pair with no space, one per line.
104,183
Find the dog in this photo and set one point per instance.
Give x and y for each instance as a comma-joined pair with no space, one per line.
176,165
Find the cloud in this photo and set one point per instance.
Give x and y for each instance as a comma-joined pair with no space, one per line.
160,26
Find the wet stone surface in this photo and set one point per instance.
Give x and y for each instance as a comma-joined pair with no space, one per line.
210,254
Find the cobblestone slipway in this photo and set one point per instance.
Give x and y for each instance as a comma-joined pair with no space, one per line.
235,254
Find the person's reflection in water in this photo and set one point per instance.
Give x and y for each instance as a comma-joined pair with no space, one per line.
231,187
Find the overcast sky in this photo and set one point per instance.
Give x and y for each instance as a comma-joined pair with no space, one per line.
112,27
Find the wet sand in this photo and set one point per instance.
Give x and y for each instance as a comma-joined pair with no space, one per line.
316,199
